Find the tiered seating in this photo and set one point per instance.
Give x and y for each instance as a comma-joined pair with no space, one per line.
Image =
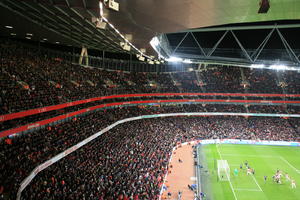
19,155
117,164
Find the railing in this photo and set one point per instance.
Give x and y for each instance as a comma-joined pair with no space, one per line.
74,103
147,102
63,154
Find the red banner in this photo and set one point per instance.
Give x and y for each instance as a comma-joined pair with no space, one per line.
74,103
57,118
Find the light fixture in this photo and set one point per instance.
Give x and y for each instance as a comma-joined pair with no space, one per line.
101,8
174,59
154,42
188,61
278,67
13,34
141,58
28,38
151,62
29,34
273,67
56,42
190,69
10,27
257,66
45,39
117,31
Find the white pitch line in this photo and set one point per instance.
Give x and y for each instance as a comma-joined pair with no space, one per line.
289,164
245,189
249,155
256,182
226,174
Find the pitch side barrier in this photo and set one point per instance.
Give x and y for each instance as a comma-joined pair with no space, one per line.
63,154
74,103
145,102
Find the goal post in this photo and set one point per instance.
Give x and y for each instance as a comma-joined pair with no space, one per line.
223,170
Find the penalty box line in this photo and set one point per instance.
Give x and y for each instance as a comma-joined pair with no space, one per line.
246,189
226,174
256,182
258,156
289,164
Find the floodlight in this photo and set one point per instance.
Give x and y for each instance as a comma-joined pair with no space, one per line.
188,61
151,62
174,59
154,42
278,67
257,66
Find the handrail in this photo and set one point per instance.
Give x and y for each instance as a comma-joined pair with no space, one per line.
25,113
149,102
63,154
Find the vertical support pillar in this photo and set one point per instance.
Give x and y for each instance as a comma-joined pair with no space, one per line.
84,54
130,63
103,57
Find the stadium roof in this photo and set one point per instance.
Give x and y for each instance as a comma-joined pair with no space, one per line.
58,21
69,22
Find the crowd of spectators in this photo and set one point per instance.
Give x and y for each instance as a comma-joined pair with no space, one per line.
222,79
263,81
29,81
133,157
128,162
117,163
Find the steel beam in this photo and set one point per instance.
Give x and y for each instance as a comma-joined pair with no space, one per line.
263,44
201,49
234,28
287,46
241,46
37,22
180,43
217,44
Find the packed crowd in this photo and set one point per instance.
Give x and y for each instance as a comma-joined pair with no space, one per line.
128,162
121,167
222,79
28,80
133,157
186,107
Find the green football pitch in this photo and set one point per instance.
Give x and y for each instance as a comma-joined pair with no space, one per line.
264,159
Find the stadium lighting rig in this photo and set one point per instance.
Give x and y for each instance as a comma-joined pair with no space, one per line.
188,61
155,45
274,67
126,44
111,4
257,66
174,59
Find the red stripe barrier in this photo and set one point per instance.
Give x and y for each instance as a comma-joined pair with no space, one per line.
74,103
61,117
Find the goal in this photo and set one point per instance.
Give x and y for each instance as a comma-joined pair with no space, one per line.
223,170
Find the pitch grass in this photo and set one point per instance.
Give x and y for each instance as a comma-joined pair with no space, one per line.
265,160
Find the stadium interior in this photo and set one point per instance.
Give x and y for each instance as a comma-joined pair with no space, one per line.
96,94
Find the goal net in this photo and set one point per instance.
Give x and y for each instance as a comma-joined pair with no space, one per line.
223,170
